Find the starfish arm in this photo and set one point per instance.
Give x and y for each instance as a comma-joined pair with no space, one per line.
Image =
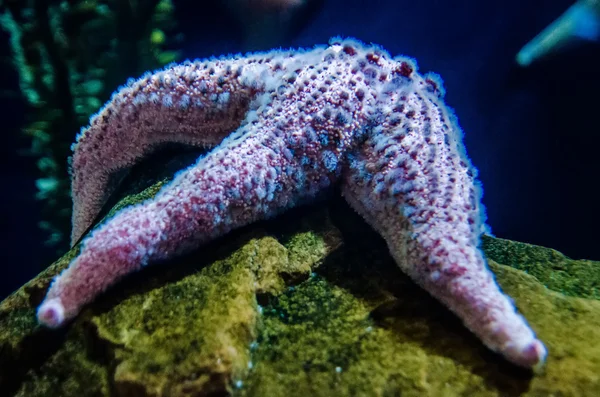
413,183
195,103
226,189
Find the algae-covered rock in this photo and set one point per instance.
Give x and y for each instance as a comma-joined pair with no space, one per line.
307,304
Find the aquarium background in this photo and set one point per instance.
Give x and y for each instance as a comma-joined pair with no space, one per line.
532,133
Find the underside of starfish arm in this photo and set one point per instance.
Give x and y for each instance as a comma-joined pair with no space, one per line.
414,185
196,103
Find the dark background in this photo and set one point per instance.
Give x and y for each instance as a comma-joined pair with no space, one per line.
532,133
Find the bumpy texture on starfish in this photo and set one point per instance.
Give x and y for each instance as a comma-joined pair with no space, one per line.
302,121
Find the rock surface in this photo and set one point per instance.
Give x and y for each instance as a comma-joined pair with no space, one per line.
309,303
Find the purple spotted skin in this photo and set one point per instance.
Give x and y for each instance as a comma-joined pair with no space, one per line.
284,126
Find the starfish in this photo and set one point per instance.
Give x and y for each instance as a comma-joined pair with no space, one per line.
302,121
580,22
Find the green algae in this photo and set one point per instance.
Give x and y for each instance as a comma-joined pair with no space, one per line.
357,330
208,319
84,377
556,271
184,330
309,303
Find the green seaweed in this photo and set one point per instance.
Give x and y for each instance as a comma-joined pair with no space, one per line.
69,56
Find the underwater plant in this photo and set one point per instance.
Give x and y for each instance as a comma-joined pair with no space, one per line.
69,57
580,22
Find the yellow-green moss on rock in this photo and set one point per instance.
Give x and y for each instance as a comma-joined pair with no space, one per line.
326,337
556,271
309,303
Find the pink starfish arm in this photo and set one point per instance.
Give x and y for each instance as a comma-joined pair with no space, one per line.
414,185
195,103
203,202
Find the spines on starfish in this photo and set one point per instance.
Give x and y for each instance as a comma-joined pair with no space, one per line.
174,105
413,182
195,103
206,201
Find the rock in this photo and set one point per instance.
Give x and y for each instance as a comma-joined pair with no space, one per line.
309,303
